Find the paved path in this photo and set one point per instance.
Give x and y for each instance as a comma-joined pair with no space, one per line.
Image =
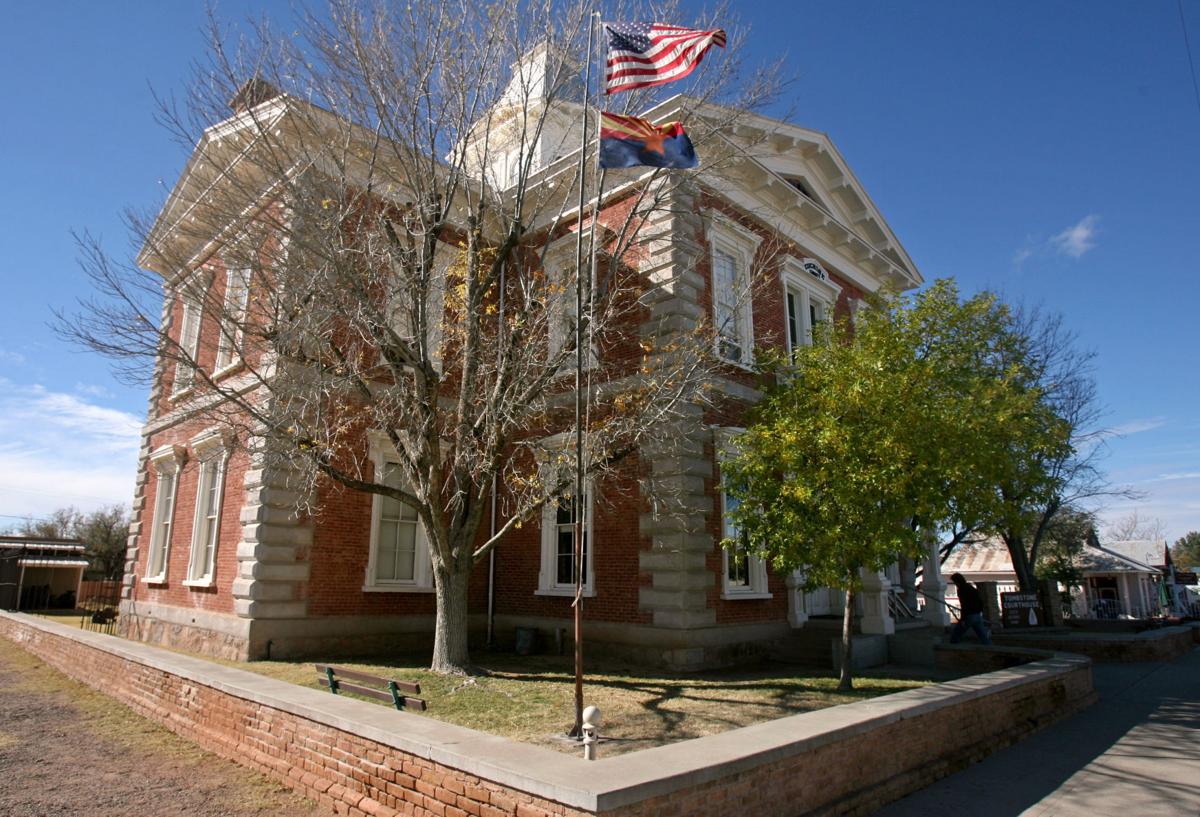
1135,752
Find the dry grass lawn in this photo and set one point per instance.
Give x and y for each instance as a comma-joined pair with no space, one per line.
530,698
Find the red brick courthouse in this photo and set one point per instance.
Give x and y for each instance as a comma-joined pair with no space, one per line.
219,560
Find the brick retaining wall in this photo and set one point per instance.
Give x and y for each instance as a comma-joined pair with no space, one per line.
1163,644
358,758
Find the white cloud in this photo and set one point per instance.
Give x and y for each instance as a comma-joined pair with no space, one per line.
9,356
93,390
59,449
1136,426
1175,476
1078,239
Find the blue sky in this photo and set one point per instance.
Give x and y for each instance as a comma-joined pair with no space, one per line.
1048,151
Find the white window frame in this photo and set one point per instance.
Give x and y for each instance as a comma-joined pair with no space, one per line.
559,261
167,463
726,237
548,584
382,454
806,289
189,343
212,453
229,345
755,586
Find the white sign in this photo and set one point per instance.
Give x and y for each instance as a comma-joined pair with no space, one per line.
814,268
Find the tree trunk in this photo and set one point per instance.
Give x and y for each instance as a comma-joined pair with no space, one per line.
450,654
844,680
1026,579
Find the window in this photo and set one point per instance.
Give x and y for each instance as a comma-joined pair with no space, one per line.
404,316
210,450
189,344
809,296
166,462
557,576
560,263
558,565
399,549
237,295
743,575
732,250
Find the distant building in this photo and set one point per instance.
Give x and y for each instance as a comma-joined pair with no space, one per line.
1115,585
38,573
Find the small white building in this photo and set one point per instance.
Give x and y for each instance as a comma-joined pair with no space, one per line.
1115,584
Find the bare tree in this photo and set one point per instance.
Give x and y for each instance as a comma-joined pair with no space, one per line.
394,210
1062,478
1133,526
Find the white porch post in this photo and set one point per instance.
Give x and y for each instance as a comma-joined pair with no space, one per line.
876,616
797,614
933,586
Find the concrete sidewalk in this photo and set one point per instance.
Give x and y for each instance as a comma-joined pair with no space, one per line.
1135,752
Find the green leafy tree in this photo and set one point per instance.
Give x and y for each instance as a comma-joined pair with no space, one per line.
879,435
1186,551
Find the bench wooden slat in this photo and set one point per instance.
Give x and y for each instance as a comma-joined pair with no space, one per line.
383,695
403,686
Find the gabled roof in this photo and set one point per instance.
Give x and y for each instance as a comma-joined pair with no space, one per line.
216,154
985,556
1143,551
990,556
786,151
1102,560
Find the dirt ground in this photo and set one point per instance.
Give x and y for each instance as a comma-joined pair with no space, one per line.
66,750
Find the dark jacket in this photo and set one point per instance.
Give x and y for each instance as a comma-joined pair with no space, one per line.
969,599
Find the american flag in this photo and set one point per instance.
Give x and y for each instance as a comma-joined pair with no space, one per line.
644,54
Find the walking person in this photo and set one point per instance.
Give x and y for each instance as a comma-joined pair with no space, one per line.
970,613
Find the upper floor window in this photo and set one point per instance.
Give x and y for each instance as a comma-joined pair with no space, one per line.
233,316
731,254
808,300
189,343
559,263
407,313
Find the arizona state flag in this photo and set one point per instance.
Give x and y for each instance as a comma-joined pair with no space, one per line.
626,141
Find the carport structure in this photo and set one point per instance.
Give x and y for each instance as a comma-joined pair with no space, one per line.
38,573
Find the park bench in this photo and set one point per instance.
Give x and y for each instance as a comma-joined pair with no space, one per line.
383,689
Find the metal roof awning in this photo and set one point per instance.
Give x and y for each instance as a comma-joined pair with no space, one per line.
33,562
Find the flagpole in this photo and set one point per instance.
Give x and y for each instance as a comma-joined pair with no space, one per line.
578,501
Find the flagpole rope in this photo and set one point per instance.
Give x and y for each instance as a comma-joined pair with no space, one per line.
577,503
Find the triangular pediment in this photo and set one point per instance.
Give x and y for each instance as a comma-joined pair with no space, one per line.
801,170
